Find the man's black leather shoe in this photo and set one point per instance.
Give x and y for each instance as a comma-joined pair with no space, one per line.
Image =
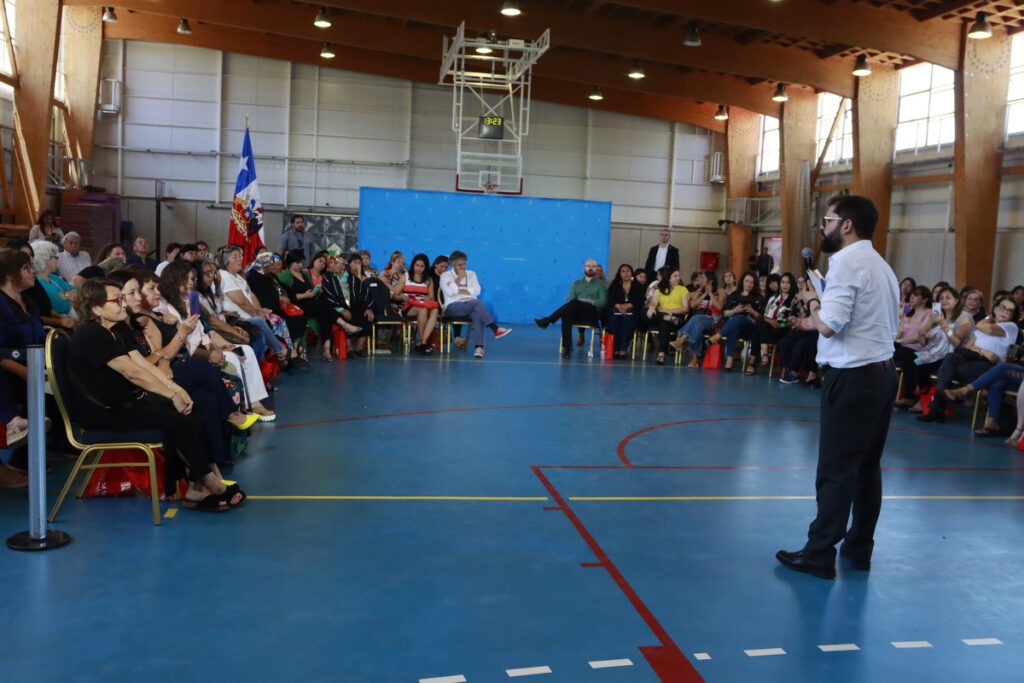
542,323
797,562
856,561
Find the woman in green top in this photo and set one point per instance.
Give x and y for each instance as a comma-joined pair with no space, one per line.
667,308
306,296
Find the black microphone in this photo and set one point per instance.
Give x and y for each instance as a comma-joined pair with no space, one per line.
808,255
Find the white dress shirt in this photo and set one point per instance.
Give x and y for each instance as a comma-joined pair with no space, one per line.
861,305
661,257
450,287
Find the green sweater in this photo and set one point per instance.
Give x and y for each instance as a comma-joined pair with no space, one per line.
592,292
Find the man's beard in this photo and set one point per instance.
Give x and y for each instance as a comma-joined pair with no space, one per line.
832,243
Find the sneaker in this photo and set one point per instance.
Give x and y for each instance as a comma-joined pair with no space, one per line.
790,378
383,352
479,353
502,332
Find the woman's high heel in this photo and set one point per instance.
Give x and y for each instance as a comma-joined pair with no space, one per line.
1014,439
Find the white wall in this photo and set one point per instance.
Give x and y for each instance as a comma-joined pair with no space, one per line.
319,134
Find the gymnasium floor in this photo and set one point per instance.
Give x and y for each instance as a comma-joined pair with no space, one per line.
421,519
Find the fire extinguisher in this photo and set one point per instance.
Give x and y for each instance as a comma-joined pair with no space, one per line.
608,342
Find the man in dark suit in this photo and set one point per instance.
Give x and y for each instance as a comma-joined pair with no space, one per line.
662,254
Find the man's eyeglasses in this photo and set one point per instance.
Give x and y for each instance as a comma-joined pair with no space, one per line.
826,219
120,300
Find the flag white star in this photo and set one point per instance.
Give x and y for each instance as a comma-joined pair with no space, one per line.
243,164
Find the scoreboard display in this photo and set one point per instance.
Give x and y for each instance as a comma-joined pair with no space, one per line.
492,128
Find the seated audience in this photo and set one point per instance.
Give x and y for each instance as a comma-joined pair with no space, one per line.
118,391
907,285
298,283
625,305
360,311
996,381
203,252
289,321
728,282
774,324
46,228
140,255
742,311
583,306
211,307
936,288
461,289
239,300
333,289
974,304
705,302
52,294
798,349
666,311
420,303
171,252
986,348
368,269
111,258
72,260
911,340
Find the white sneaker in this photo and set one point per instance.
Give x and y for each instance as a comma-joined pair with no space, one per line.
383,352
502,332
479,353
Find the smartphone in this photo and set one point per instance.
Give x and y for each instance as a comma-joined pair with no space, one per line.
937,308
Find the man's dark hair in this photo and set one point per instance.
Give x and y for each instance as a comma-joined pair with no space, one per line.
297,216
860,210
456,255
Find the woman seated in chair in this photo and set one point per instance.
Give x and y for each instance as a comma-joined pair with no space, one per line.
420,302
774,324
625,305
298,283
742,311
55,308
799,348
239,300
164,345
911,340
667,309
706,302
289,321
360,311
119,391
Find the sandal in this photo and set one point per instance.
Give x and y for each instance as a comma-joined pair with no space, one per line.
1014,438
986,431
660,360
230,492
750,370
211,503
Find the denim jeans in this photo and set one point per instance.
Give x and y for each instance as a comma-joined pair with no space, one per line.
737,327
695,329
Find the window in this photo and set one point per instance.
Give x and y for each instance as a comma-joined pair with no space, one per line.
769,157
58,76
7,41
1015,96
841,148
926,108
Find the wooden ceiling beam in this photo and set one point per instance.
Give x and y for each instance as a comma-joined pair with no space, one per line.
424,42
930,12
864,25
137,26
627,38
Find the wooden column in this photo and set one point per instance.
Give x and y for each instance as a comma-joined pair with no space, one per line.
742,141
797,141
39,33
83,46
981,86
875,106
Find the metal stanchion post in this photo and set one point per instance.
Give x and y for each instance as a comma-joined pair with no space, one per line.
38,537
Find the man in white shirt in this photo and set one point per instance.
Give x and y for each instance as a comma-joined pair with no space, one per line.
461,289
857,319
662,254
72,260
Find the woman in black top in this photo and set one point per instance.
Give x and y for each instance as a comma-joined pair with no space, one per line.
304,294
117,390
360,303
625,304
742,311
272,294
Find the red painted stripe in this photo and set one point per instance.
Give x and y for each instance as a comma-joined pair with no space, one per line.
667,660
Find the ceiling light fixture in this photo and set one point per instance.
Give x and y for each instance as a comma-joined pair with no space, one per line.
595,94
980,29
861,67
322,20
780,93
183,28
109,15
691,38
491,37
327,51
511,8
722,114
637,72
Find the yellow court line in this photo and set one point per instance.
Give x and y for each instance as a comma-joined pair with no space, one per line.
511,499
644,499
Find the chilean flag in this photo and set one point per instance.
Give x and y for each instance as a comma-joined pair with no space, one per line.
246,227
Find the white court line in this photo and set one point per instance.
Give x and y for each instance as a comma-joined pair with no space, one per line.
982,641
701,656
842,647
767,652
528,671
445,679
909,644
610,663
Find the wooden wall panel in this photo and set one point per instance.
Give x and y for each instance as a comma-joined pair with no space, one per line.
981,87
874,123
797,140
743,132
83,47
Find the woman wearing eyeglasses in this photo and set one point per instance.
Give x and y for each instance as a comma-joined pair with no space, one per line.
992,338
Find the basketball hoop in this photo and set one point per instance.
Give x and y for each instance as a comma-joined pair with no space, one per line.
490,188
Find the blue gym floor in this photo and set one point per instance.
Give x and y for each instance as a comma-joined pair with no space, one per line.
431,518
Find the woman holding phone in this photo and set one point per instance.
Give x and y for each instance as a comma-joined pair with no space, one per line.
306,295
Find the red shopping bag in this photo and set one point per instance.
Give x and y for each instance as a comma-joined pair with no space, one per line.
126,481
927,396
269,369
712,358
340,342
608,344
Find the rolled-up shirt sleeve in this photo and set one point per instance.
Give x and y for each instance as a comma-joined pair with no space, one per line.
837,299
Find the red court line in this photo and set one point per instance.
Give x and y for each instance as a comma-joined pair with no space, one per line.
667,660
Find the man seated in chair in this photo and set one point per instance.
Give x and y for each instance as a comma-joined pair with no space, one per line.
584,305
461,289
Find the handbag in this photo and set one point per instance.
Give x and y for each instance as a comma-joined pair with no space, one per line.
608,344
712,358
340,342
927,396
291,310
